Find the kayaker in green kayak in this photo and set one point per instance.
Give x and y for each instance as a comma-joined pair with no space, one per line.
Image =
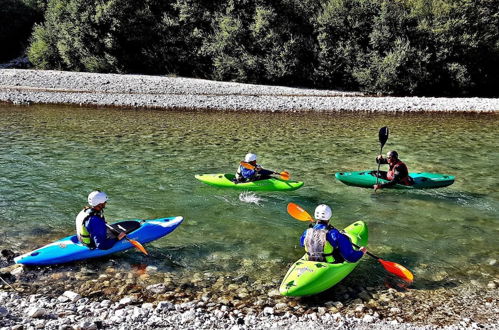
397,172
244,174
324,243
91,227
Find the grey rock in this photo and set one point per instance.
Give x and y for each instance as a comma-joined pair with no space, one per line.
157,288
165,305
3,311
36,312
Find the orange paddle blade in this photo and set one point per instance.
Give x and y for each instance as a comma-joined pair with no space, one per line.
247,165
284,175
138,246
397,270
298,212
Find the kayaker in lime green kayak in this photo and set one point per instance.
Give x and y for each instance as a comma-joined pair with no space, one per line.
324,243
397,172
91,227
254,172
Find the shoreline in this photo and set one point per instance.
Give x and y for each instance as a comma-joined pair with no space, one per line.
24,87
110,293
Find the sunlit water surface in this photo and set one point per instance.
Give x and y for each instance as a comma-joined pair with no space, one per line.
52,157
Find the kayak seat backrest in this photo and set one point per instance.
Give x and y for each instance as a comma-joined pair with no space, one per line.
129,226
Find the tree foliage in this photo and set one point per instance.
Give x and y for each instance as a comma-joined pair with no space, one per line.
395,47
17,18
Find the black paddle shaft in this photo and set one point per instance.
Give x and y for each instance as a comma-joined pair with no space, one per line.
367,252
383,137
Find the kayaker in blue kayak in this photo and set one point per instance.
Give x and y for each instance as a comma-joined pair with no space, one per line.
91,227
324,243
244,174
397,172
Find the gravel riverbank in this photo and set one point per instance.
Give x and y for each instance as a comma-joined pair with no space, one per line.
58,87
111,294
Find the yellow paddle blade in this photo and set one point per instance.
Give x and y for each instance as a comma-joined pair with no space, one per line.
138,246
284,175
298,212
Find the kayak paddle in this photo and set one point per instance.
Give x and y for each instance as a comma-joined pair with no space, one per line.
284,175
299,213
383,137
392,267
134,242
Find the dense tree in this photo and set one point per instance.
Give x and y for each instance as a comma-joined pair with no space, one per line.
17,18
403,47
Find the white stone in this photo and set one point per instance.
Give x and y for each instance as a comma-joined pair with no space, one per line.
87,325
17,271
73,296
157,288
188,316
125,301
105,303
368,318
268,311
35,312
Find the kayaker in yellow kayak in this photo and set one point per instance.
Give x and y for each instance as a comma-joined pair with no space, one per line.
91,227
324,243
397,172
244,174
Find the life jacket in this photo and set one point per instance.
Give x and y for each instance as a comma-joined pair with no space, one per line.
81,231
317,246
390,175
239,176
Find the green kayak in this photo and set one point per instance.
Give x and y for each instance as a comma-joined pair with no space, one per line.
226,181
422,180
310,277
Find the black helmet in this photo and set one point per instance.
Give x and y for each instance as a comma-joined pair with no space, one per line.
392,154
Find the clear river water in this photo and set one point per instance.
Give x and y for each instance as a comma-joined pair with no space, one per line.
52,156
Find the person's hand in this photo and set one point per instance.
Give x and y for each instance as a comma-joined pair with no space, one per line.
363,249
258,168
121,236
380,157
376,187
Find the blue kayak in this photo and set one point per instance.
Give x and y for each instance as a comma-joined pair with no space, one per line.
69,249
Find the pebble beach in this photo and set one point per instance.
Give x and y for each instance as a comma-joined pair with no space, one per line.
107,294
139,91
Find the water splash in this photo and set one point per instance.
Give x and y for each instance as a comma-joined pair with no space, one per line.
251,197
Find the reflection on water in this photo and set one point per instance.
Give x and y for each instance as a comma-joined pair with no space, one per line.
52,157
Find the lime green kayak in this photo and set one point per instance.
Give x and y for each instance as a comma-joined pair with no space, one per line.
422,180
226,181
310,277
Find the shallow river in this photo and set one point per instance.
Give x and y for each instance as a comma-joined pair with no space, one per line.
52,157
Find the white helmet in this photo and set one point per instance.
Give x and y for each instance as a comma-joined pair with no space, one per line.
323,212
249,157
97,197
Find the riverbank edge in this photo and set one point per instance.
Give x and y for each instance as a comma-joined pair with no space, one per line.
109,293
24,87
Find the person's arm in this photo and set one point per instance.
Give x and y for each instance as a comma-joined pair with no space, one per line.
345,247
399,173
302,238
381,160
98,232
